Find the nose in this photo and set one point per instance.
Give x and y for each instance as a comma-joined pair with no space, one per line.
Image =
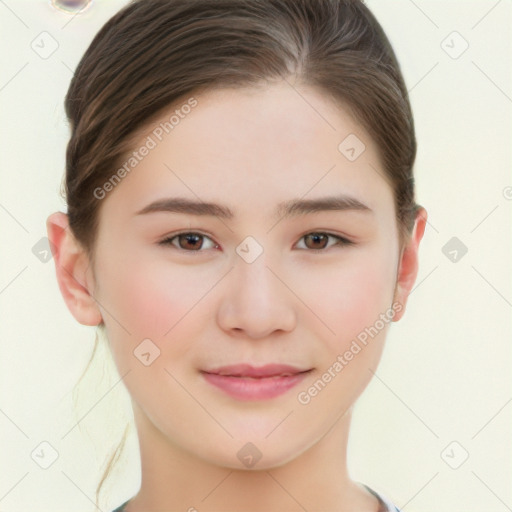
256,301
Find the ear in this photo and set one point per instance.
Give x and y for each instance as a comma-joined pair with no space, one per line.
408,265
71,266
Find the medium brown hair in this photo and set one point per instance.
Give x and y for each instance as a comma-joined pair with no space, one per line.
154,53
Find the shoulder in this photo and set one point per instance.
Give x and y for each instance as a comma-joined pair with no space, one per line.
121,507
385,504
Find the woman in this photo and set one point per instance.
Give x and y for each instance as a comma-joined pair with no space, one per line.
242,225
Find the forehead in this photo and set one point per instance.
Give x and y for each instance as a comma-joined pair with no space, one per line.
254,147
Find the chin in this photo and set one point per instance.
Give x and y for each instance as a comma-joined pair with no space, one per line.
253,455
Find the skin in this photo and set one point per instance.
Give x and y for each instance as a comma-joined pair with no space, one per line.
247,149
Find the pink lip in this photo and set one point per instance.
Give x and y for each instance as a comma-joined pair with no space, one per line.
246,382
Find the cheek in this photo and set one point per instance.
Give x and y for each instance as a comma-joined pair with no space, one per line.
145,299
358,294
354,296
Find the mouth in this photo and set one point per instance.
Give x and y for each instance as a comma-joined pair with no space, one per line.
246,382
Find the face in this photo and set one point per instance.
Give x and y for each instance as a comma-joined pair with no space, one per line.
188,294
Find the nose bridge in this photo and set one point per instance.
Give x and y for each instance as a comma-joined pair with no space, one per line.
251,262
256,301
255,284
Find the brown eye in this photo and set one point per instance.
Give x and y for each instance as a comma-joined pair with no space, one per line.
190,242
318,240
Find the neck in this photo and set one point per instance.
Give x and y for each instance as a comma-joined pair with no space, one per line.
173,479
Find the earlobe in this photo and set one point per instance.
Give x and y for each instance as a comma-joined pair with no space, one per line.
408,267
71,264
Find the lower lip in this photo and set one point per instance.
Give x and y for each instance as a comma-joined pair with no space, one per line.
254,389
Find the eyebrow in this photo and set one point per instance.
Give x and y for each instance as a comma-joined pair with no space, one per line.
291,208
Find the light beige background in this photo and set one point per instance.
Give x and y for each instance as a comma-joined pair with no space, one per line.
443,389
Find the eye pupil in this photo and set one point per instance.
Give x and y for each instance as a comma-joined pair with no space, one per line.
316,237
191,238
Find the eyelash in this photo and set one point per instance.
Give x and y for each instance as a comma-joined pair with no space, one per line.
341,240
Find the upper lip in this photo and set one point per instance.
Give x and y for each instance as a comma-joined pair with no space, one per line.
247,370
